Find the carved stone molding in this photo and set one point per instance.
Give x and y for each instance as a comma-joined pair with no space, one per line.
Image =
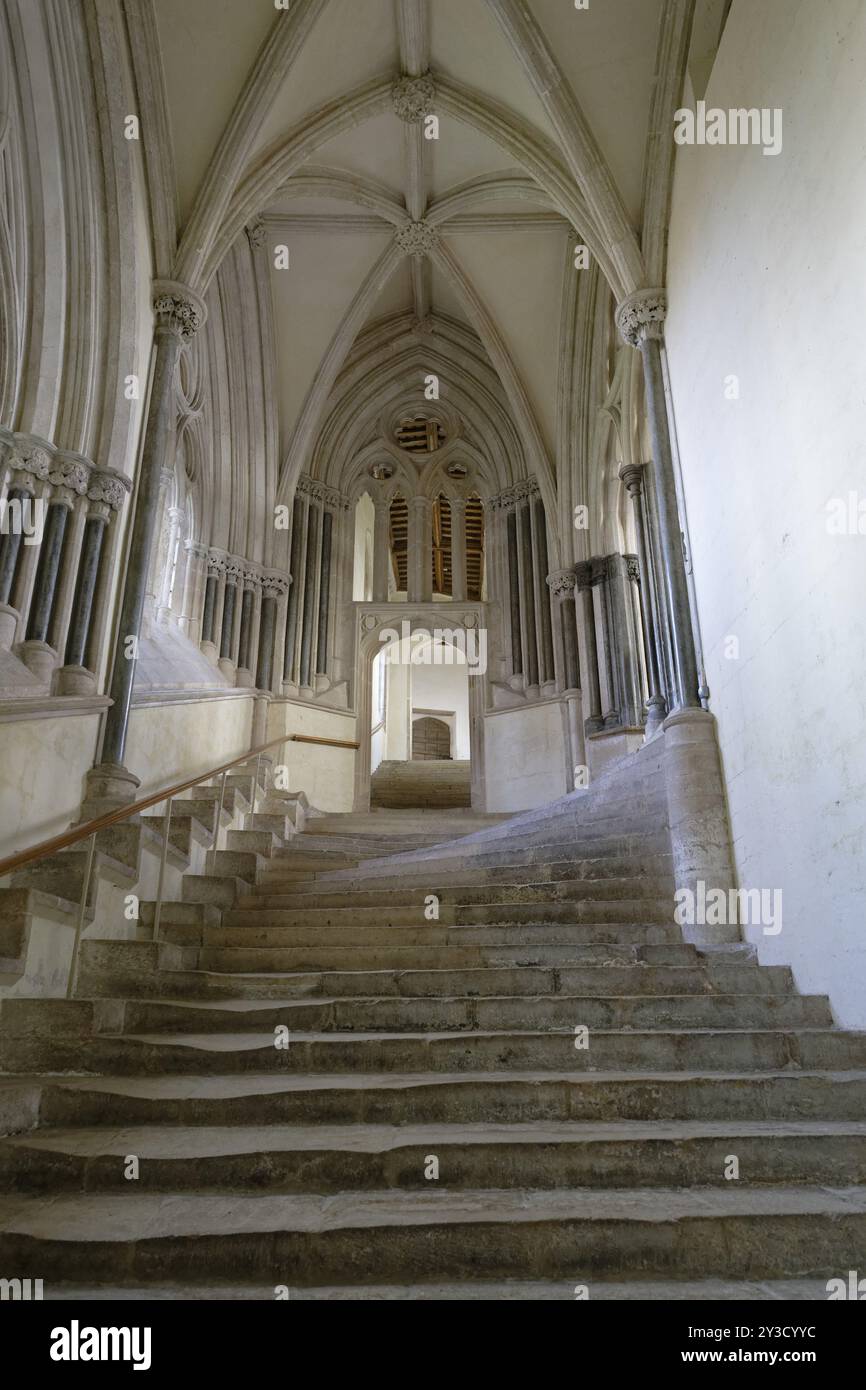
216,564
275,585
321,493
30,457
561,583
642,316
177,310
425,327
257,234
106,485
413,97
234,570
417,239
521,492
583,573
632,568
631,478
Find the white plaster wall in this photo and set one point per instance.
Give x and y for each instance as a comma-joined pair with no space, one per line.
524,757
169,742
43,763
326,775
399,677
445,688
766,279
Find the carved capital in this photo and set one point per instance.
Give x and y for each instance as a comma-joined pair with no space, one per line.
216,564
275,585
234,570
424,327
417,239
31,458
109,487
177,310
632,568
642,316
583,575
257,234
412,97
561,583
632,479
321,493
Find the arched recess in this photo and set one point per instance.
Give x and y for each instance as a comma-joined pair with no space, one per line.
376,631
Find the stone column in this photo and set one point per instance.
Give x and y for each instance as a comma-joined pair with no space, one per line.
632,477
419,560
17,502
306,664
381,549
244,676
514,594
178,315
548,672
296,571
562,585
583,574
234,580
76,679
215,567
35,651
273,587
324,595
640,320
194,555
458,548
527,592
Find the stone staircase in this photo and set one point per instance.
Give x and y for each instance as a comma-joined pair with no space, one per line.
359,1063
444,783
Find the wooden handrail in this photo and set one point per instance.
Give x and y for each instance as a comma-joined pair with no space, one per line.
329,742
83,832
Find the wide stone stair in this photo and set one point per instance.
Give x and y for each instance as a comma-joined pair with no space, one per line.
440,783
359,1065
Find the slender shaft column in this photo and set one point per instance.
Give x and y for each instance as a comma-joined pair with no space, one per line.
228,622
594,720
527,592
381,549
561,584
632,478
211,591
59,511
95,528
324,595
194,556
640,319
246,634
292,609
514,594
272,590
166,579
420,557
545,631
458,549
17,504
178,315
306,674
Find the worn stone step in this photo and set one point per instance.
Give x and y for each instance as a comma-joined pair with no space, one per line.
325,957
358,1158
745,1233
250,929
321,893
644,1050
221,890
614,912
497,1012
400,1098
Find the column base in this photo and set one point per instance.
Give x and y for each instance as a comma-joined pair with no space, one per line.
209,650
244,678
108,787
228,669
39,658
8,625
698,821
75,680
655,715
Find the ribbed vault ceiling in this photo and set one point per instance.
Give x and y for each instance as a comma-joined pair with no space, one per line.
289,117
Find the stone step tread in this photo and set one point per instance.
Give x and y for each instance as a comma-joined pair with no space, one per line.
240,1006
231,1086
133,1217
209,1141
468,1291
243,1041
